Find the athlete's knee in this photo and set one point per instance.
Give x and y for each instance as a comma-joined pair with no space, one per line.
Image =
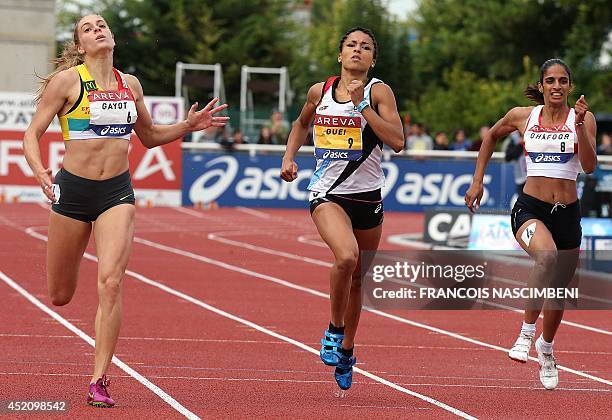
546,259
60,297
347,260
109,284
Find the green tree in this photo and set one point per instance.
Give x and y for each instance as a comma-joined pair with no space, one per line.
464,47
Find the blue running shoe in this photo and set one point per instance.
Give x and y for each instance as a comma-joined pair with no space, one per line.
344,371
330,348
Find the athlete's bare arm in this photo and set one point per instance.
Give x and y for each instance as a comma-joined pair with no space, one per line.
299,131
515,119
387,124
152,135
54,99
586,131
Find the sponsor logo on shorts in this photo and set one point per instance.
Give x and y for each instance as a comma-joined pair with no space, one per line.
378,208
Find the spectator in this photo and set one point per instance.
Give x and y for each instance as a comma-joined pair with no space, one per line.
474,147
238,137
279,128
605,148
441,141
460,142
515,154
209,135
419,139
265,135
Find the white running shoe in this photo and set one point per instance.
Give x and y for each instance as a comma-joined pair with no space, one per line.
520,350
549,376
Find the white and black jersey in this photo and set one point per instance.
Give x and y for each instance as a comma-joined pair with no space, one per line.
347,150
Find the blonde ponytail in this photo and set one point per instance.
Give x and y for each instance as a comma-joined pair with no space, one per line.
70,57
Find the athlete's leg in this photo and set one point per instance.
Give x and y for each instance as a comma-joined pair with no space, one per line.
367,240
67,240
336,230
535,238
113,232
541,247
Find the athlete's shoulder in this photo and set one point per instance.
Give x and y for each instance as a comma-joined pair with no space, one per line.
518,114
133,83
67,76
315,93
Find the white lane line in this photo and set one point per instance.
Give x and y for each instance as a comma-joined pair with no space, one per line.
308,290
255,213
305,240
264,330
216,236
123,366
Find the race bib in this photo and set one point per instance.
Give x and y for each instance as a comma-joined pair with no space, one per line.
549,147
112,114
337,137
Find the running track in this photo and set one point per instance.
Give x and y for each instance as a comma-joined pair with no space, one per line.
223,310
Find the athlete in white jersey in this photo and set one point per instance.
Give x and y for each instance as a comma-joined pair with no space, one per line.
352,117
559,144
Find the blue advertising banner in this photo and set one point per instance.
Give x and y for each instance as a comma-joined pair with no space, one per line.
237,179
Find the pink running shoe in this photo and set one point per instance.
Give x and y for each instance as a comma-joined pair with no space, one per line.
98,394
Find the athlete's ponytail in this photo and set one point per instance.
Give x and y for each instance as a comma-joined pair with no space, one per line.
532,92
70,57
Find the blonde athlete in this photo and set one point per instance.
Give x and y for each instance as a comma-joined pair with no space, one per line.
98,107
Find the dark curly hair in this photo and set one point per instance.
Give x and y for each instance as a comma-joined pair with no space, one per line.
360,29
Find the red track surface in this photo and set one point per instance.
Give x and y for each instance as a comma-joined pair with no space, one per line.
217,366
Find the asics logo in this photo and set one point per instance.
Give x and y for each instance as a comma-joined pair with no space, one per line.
378,208
547,158
335,155
113,131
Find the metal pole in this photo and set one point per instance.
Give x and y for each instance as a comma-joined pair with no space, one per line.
282,89
217,81
178,78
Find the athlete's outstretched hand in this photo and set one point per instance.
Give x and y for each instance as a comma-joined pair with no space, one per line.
473,196
355,89
289,170
200,120
581,109
45,181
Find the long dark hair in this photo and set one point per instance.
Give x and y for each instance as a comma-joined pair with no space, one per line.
532,92
365,31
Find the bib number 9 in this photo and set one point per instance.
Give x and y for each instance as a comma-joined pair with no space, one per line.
350,142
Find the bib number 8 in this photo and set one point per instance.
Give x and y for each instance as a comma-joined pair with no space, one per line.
563,146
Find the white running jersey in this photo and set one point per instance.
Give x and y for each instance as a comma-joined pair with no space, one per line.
551,152
348,152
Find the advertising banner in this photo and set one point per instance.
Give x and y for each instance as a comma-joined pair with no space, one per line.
237,179
156,173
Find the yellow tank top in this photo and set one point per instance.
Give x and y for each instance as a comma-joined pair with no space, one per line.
99,113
